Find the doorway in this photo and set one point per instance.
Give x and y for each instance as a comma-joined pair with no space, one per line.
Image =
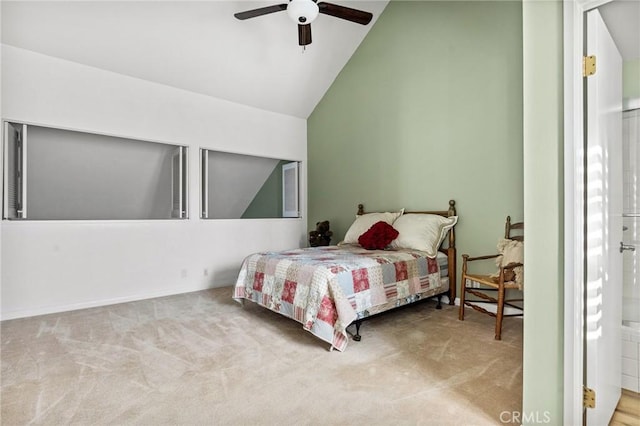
579,260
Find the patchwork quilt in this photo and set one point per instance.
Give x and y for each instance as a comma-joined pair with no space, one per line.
327,288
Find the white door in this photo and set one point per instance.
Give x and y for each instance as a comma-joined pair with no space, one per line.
604,222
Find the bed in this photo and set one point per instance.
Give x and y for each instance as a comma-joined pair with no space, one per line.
386,260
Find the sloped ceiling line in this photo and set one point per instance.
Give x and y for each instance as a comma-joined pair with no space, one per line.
195,46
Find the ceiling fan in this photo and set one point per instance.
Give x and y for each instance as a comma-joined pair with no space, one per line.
303,12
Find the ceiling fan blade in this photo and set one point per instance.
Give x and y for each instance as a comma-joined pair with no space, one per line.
261,11
343,12
304,34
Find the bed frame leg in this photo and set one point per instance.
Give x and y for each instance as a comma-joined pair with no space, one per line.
439,305
357,337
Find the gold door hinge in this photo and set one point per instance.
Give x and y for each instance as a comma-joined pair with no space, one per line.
588,65
588,397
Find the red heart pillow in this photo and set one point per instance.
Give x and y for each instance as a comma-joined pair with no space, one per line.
378,236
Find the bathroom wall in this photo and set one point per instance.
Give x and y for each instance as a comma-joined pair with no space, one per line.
630,359
631,259
631,210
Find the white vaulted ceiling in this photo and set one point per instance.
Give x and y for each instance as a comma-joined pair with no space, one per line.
196,46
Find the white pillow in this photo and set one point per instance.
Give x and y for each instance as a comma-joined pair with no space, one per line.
365,221
424,232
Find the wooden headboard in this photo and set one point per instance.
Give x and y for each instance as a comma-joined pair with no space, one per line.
449,250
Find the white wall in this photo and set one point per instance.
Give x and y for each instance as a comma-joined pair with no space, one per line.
55,266
1,154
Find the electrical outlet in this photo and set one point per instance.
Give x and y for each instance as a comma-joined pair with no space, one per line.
206,272
183,273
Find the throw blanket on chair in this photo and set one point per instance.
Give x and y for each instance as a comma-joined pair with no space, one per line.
511,251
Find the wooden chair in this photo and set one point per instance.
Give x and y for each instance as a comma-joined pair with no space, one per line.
485,287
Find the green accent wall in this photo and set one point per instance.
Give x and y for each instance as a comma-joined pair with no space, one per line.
437,104
631,79
268,201
428,109
543,127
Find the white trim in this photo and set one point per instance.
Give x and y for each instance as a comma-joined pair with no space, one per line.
573,208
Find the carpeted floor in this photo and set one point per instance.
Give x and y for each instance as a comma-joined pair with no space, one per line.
203,359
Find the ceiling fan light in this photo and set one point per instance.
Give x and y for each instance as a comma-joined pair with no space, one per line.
302,11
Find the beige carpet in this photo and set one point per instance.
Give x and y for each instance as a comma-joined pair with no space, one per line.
203,359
